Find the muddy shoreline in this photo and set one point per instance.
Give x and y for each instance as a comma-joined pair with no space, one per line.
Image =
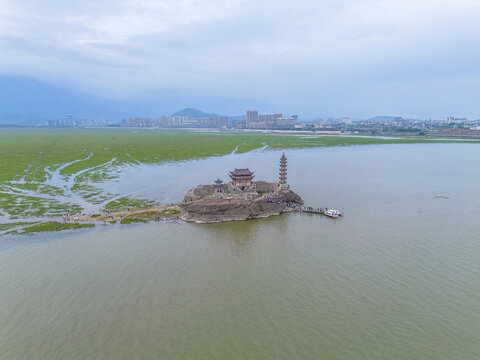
206,204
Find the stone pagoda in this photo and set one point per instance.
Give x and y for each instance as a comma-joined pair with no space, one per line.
283,170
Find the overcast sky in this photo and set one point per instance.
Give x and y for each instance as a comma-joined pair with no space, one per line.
418,58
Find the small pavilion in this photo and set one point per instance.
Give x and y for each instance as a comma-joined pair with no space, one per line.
218,185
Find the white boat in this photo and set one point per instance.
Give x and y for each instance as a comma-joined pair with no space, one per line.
333,213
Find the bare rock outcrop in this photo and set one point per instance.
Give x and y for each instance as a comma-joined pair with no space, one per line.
264,187
209,209
199,192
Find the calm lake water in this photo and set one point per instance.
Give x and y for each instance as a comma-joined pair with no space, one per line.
398,277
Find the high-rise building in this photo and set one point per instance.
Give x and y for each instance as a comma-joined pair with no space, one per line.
252,117
163,121
218,122
286,123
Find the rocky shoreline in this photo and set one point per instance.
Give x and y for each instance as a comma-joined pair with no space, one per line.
206,204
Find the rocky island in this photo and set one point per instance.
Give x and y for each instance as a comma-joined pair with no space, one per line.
203,204
240,199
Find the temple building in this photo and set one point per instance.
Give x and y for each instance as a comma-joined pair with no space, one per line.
242,178
283,170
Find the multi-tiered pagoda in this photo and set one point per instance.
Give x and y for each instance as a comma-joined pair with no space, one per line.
283,170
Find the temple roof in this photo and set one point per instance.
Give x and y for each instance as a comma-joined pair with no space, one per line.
241,172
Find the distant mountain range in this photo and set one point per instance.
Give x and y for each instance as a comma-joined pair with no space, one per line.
27,101
24,100
194,113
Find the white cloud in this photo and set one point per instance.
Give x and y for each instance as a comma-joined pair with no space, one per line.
246,48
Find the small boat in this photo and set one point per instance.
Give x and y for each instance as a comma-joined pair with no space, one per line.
333,213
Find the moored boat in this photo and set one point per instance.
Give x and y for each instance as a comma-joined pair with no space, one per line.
333,213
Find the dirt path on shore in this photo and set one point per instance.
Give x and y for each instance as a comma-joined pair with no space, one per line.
132,214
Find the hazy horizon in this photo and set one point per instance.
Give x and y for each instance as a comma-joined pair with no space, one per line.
416,59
